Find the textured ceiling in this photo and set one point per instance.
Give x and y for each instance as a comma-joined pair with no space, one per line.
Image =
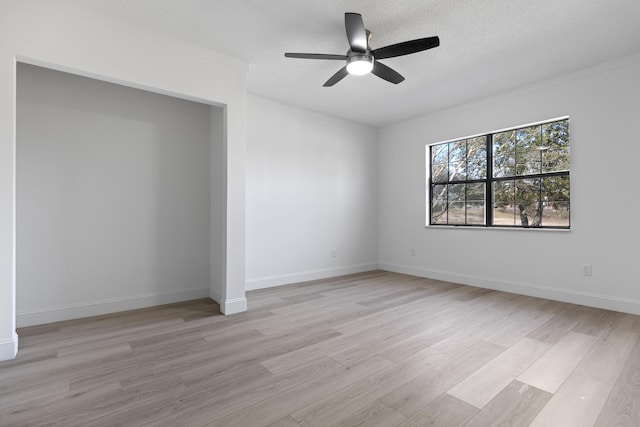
486,46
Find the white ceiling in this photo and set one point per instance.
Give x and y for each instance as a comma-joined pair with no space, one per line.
486,46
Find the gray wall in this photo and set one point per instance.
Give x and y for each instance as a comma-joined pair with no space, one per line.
312,188
603,104
112,197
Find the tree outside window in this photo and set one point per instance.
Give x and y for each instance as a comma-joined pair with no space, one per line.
512,178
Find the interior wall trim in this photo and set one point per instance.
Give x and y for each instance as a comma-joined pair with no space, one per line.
9,348
233,306
305,276
113,305
606,302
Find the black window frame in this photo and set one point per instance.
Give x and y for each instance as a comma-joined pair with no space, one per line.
489,180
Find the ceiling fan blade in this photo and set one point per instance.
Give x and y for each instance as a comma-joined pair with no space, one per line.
341,74
315,56
356,33
386,73
405,48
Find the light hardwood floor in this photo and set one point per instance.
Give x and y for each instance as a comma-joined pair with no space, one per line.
372,349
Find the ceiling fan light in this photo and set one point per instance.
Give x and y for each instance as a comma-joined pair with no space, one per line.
359,65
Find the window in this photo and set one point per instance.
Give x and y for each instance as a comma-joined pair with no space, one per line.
511,178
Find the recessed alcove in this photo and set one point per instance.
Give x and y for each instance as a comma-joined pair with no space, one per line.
114,196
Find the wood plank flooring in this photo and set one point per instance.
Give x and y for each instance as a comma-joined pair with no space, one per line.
370,349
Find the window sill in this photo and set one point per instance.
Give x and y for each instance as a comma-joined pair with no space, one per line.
527,229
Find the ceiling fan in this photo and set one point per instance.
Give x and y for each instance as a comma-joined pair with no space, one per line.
361,59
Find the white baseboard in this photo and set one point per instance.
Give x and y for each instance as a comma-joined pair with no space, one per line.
233,306
229,306
96,308
582,298
305,276
9,348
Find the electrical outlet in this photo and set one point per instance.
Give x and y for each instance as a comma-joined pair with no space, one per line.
333,253
413,252
586,269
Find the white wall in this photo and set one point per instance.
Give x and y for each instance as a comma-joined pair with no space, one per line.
311,188
604,105
63,36
112,197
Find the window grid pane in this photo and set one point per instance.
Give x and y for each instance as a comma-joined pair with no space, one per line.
528,185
